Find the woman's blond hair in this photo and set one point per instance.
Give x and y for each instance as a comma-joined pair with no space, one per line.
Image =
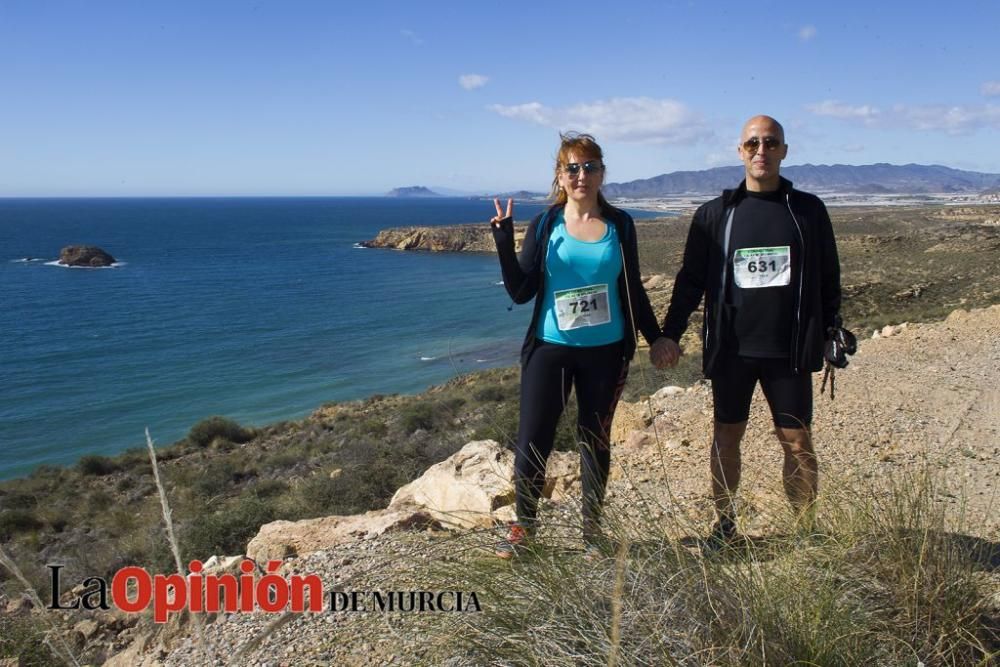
585,146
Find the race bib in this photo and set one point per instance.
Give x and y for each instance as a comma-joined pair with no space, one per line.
582,307
762,267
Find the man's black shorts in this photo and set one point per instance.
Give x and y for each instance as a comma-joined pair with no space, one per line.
788,394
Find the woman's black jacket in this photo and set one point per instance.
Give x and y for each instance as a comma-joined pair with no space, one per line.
524,274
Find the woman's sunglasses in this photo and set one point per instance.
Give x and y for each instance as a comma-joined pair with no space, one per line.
588,167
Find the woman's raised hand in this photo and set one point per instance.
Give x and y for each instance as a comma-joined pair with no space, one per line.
500,214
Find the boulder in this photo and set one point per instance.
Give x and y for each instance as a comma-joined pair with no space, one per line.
85,255
285,539
890,330
88,628
664,392
473,486
18,605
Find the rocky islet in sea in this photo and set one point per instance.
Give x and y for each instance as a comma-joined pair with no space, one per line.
85,255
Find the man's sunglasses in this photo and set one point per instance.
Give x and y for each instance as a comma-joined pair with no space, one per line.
588,167
753,143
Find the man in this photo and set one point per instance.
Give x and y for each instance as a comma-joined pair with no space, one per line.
764,257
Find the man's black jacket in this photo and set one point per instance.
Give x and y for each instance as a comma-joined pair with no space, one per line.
705,272
524,274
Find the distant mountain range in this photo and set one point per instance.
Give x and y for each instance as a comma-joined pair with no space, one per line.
879,178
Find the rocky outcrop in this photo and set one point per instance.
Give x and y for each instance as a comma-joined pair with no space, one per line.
473,487
450,238
85,255
286,539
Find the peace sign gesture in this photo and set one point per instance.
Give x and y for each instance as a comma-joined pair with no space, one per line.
500,214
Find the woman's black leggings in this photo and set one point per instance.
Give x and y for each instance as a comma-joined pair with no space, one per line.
598,374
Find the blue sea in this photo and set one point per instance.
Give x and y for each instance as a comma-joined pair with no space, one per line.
258,309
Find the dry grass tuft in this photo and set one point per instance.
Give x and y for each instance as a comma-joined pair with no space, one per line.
886,579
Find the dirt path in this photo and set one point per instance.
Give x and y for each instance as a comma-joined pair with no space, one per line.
930,393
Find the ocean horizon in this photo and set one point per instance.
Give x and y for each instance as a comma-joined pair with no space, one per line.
257,309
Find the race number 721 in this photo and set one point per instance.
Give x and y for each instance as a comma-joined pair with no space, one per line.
582,307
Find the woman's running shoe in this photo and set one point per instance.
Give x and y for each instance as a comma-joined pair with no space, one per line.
515,544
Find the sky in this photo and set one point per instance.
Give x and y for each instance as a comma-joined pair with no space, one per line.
218,97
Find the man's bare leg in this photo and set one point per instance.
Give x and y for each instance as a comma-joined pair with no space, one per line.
801,470
726,466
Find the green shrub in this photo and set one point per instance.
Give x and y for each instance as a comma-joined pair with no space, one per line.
282,458
269,488
451,405
500,425
134,456
204,432
491,393
19,501
419,415
21,638
214,478
98,466
99,501
227,530
13,522
319,494
374,427
57,523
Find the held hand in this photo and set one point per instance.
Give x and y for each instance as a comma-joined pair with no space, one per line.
500,214
664,352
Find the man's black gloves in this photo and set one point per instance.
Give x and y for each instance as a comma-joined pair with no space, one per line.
839,344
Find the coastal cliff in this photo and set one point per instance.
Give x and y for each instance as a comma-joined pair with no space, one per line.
450,238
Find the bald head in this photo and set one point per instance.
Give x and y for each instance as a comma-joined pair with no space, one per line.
762,123
762,148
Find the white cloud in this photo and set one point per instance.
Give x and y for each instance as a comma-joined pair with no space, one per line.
412,36
472,81
866,113
990,88
632,119
807,32
957,119
854,148
951,119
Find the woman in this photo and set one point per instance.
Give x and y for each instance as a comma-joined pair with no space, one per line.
580,263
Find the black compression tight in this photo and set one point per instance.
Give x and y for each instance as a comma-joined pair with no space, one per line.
598,374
